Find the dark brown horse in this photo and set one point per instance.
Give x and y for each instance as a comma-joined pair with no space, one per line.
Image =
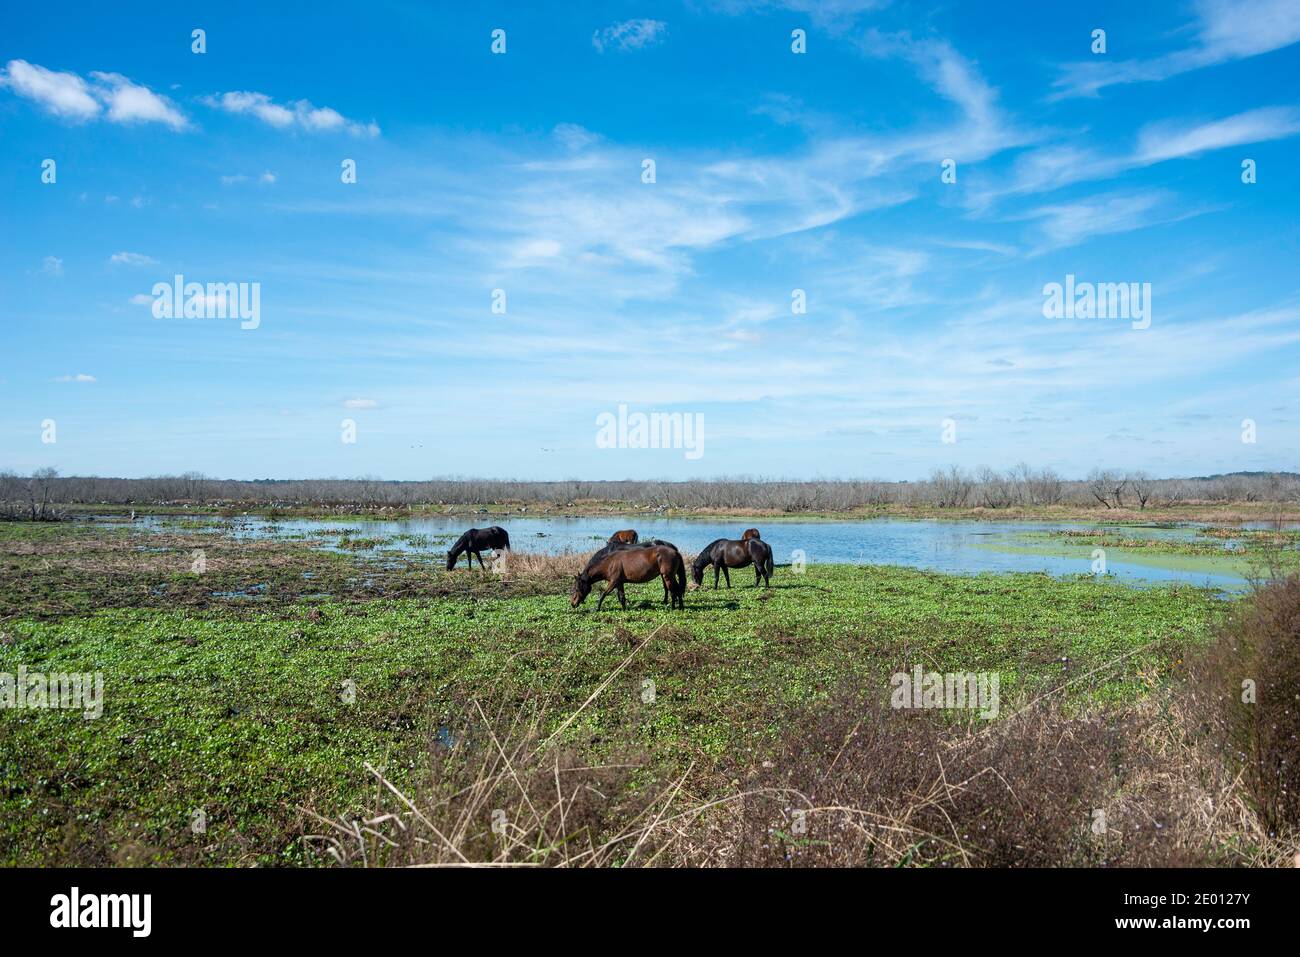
729,553
473,542
625,537
620,566
749,533
613,546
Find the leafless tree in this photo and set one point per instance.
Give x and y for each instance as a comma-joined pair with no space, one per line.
1107,487
946,488
1142,487
950,488
996,490
39,488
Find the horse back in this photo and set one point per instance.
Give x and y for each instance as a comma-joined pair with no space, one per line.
642,564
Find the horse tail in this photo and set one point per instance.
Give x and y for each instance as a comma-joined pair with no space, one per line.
767,565
679,575
505,536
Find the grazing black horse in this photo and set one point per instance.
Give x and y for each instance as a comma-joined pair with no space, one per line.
729,553
474,541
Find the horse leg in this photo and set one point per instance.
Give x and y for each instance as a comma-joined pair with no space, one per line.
613,583
717,570
726,574
469,559
622,599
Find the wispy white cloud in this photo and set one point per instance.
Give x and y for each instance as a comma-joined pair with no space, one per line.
1226,30
79,377
584,214
360,404
1058,165
131,259
299,114
630,35
1172,140
834,15
52,266
985,128
111,95
1067,224
233,179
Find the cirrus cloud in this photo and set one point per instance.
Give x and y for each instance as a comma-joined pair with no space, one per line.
630,35
131,259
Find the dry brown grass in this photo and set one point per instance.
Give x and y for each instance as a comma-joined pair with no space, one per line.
1245,700
855,787
851,785
537,565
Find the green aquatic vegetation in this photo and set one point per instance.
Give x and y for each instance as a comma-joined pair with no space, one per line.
1245,555
362,544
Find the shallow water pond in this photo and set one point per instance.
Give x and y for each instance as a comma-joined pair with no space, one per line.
963,547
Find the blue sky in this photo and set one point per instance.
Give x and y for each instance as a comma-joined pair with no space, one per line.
774,171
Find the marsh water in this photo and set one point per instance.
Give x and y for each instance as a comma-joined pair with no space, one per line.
962,547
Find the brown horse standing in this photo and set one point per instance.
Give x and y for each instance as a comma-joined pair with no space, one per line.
632,565
625,537
613,546
749,533
729,553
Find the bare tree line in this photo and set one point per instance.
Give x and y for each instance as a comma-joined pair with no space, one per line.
38,495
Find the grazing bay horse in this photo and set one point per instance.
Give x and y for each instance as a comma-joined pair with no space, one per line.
625,537
613,546
749,533
473,542
632,564
729,553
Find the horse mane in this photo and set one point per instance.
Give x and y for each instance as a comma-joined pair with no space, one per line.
705,557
